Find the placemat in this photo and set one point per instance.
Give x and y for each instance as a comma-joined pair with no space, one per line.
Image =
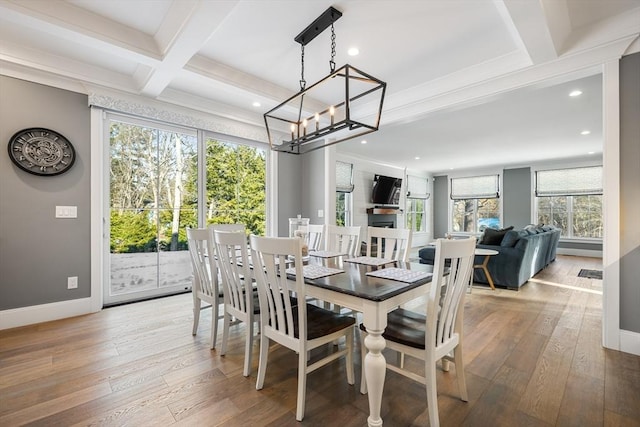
368,260
315,271
400,274
325,254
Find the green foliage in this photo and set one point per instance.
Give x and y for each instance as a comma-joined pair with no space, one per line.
154,187
236,176
133,231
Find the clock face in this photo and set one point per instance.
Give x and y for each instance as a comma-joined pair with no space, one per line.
41,151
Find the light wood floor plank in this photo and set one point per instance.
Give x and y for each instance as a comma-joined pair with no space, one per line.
533,358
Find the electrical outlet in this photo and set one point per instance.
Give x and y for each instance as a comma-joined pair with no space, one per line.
72,282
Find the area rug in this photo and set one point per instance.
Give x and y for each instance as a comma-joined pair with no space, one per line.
590,274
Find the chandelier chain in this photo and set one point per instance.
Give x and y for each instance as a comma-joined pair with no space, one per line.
303,82
332,63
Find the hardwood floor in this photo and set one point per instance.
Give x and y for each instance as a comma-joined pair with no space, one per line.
533,358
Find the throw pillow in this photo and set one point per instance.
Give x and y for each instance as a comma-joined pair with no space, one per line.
511,238
494,237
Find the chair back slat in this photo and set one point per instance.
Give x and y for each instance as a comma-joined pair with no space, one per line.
344,240
446,296
271,256
392,243
202,264
233,262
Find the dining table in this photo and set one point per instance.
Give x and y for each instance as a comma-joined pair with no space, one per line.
373,287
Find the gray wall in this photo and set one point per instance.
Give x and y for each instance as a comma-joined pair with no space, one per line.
440,206
517,203
630,193
37,251
314,184
289,190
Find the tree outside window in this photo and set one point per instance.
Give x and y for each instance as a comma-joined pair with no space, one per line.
416,218
576,216
473,215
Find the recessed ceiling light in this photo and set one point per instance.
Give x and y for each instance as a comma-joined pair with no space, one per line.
575,93
364,141
256,104
591,152
585,132
353,51
417,158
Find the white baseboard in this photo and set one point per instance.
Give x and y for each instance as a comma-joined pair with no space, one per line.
579,252
630,342
16,317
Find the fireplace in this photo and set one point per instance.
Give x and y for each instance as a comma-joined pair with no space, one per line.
383,217
380,217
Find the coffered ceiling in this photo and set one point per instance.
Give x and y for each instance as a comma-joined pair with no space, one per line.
470,82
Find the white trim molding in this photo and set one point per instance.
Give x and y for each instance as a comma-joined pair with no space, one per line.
630,342
611,203
23,316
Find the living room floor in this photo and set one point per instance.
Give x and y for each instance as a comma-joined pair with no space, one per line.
533,357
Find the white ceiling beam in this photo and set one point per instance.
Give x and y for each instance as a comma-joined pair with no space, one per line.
533,28
187,28
582,62
65,67
76,25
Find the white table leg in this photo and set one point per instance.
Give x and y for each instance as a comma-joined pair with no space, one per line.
375,368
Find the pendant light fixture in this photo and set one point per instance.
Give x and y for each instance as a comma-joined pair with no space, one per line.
345,104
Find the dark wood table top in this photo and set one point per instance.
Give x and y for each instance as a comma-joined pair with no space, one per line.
354,280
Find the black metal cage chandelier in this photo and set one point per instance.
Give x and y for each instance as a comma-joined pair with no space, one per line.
343,105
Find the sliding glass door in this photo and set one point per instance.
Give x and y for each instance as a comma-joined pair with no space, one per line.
157,175
153,190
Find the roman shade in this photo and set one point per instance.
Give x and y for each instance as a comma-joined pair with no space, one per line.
344,177
475,187
417,187
569,182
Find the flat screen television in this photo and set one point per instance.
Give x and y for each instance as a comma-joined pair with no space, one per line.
386,190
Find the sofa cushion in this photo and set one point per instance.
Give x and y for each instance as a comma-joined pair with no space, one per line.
511,238
494,237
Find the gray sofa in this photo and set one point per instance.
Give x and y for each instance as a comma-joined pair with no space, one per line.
521,255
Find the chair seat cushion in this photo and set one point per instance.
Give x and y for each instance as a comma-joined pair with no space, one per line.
321,322
405,327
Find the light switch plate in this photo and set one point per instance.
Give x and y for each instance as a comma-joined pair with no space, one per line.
66,212
320,213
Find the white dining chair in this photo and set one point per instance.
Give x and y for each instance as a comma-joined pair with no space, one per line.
240,298
300,328
313,236
391,243
205,284
345,240
435,336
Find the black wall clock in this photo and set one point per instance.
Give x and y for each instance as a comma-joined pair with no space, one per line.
41,151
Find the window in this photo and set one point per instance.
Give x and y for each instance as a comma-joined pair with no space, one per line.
162,179
344,188
416,208
571,199
476,203
235,185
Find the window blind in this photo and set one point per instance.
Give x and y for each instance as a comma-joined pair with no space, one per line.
569,182
417,187
475,187
344,177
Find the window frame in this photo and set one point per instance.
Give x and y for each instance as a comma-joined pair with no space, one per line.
483,173
570,201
